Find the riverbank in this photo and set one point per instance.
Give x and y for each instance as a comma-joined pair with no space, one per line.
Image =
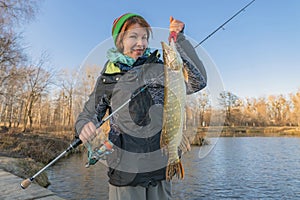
246,131
24,168
24,154
41,147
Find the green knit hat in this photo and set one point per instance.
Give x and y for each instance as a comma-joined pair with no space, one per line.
119,22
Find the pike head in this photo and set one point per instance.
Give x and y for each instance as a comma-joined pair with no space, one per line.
171,56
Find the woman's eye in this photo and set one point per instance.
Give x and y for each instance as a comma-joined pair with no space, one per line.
132,36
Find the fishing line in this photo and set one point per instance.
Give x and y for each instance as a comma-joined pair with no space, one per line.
221,26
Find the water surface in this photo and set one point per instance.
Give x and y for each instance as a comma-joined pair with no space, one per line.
237,168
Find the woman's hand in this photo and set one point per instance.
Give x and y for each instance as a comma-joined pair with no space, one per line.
88,132
176,26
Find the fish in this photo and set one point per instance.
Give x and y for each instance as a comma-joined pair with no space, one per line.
174,109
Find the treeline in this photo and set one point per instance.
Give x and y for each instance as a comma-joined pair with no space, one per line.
273,110
35,96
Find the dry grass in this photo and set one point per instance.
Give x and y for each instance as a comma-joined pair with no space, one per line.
40,147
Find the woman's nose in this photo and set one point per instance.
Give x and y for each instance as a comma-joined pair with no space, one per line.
140,41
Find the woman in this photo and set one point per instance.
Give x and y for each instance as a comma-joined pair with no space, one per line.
132,56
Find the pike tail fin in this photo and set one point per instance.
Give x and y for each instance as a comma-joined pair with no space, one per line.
175,168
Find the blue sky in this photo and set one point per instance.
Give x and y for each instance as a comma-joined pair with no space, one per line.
257,54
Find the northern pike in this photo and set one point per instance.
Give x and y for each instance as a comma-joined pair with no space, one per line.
174,109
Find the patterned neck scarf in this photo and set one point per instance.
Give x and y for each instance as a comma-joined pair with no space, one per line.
115,56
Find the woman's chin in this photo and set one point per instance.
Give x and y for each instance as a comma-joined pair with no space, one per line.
136,56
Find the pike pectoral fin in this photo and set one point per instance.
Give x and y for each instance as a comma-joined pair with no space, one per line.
185,144
185,74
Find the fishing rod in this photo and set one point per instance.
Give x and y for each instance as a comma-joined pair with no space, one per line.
221,26
108,145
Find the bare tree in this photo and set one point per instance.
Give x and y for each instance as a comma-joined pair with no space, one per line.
85,82
278,108
248,112
10,56
12,14
295,98
231,104
39,79
261,108
203,105
12,92
65,99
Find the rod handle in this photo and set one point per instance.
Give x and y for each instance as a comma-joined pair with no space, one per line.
24,184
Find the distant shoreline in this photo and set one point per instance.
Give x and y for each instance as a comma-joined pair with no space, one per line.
246,131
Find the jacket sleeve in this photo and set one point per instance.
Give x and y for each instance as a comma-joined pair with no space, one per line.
197,77
88,113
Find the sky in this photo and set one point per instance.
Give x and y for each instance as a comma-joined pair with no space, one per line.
256,54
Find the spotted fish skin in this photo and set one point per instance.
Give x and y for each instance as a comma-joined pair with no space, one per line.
174,109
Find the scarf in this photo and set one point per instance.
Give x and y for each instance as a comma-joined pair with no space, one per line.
115,56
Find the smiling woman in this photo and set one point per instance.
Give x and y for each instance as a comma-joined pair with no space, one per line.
136,167
134,31
131,34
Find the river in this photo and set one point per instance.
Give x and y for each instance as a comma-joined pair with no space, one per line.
237,168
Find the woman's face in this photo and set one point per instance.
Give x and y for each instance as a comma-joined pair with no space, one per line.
135,41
